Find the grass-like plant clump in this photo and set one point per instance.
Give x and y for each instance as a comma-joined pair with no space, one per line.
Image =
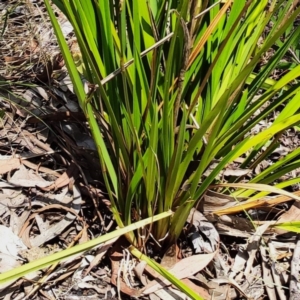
173,89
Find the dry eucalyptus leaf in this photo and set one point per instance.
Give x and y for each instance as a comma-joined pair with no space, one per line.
183,269
41,91
207,229
8,164
17,221
7,262
291,215
16,199
66,84
213,201
237,172
28,178
10,244
59,227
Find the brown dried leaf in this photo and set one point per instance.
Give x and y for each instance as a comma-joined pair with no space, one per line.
10,244
9,164
291,215
236,172
213,201
201,224
64,179
27,178
183,269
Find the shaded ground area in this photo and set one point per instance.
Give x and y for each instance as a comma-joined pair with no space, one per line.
52,195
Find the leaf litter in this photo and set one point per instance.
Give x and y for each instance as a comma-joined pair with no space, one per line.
51,196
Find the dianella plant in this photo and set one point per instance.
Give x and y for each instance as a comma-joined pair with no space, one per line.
175,87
